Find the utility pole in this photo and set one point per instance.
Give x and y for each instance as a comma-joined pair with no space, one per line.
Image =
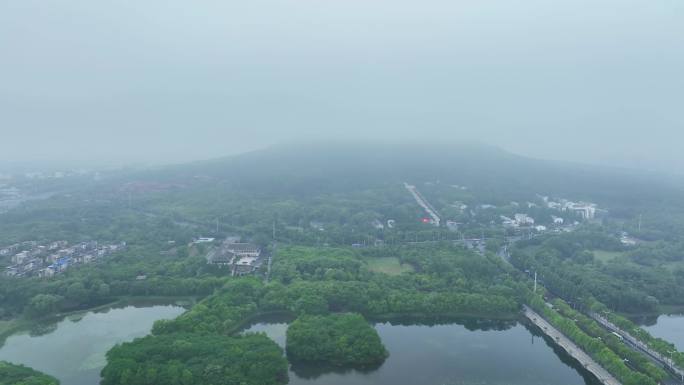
535,281
639,226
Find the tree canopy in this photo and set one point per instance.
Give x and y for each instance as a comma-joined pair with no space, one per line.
11,374
191,359
337,339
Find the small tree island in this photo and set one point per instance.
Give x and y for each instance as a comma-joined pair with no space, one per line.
11,374
337,339
189,359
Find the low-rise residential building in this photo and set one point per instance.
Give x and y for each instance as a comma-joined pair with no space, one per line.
626,240
57,245
523,219
9,250
508,222
245,265
31,260
19,258
12,271
222,257
583,209
243,249
204,240
452,225
460,206
46,272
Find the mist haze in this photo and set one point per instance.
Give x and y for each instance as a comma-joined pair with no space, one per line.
351,192
170,81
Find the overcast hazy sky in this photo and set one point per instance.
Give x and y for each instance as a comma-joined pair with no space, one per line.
168,80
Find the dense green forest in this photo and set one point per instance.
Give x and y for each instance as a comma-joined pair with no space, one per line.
568,266
187,359
20,375
343,339
308,281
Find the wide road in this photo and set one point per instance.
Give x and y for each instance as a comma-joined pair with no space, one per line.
639,346
422,202
570,347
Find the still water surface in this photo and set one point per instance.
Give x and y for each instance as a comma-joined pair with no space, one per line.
669,327
458,353
450,354
73,350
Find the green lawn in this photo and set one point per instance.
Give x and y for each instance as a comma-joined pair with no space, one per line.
606,256
388,265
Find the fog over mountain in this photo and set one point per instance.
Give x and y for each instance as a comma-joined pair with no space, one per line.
173,81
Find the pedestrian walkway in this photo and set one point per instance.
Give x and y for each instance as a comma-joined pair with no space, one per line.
573,350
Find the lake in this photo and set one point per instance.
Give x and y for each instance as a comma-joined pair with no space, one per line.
465,353
468,352
73,349
669,327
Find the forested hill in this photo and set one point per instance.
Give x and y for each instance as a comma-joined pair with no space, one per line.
331,182
314,168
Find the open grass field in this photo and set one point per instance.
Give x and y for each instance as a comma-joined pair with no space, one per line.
388,265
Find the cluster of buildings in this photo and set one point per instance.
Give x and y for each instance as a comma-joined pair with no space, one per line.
521,220
584,210
32,259
626,240
240,258
46,175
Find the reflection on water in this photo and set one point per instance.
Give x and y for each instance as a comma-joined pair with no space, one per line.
311,372
472,352
73,349
439,352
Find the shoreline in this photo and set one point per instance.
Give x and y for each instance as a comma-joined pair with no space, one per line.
16,325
